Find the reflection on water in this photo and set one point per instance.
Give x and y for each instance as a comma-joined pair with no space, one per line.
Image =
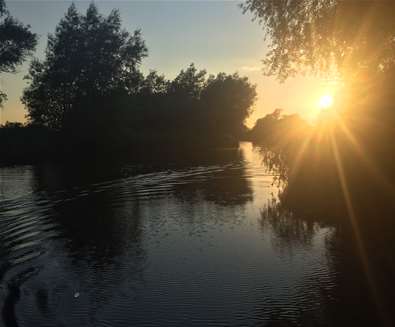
195,242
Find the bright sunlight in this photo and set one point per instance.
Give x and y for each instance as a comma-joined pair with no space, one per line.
326,101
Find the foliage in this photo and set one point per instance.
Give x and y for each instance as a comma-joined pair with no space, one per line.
88,56
188,83
281,137
189,110
228,100
90,89
3,97
276,130
323,35
154,84
16,43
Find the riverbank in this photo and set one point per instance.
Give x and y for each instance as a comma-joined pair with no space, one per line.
36,145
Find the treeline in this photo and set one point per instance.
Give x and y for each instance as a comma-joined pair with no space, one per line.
90,94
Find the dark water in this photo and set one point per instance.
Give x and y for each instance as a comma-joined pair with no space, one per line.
175,243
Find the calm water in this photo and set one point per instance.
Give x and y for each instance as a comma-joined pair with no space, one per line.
186,243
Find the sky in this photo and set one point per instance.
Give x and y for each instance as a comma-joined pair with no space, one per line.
215,35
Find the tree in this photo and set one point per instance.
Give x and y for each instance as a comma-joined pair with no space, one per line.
263,128
228,101
154,84
189,82
326,35
89,56
16,43
190,109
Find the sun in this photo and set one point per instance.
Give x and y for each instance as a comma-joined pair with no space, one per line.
326,101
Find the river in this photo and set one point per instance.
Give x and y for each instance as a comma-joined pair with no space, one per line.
175,243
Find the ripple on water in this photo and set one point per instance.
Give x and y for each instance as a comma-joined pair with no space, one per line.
170,248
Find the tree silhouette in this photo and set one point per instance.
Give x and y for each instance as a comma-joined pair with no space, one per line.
88,56
188,83
228,100
320,35
154,84
191,109
16,43
90,93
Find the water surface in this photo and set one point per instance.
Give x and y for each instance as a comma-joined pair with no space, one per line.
176,243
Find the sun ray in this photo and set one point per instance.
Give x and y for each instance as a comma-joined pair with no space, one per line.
299,156
355,228
367,161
